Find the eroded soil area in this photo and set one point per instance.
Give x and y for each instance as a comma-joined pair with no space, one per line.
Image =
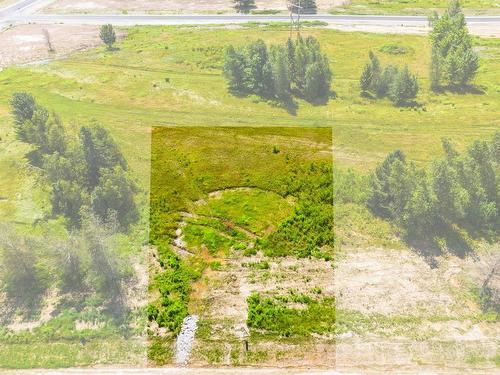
395,310
33,43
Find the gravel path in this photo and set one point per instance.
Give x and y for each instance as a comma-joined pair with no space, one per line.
185,339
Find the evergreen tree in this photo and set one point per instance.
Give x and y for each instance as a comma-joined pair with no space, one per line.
260,72
454,62
435,70
365,82
99,151
301,62
23,106
276,73
446,189
404,87
420,213
281,72
57,140
290,51
115,196
458,190
67,199
376,70
381,194
386,80
317,83
234,70
244,6
108,35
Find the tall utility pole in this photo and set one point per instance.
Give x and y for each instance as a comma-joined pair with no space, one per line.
294,5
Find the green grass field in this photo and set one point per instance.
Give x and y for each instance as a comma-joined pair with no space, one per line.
172,76
415,7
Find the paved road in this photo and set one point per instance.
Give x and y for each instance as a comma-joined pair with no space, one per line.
224,19
16,7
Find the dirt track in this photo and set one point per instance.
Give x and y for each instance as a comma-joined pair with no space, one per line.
28,43
178,371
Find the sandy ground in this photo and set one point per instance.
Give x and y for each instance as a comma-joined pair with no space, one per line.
477,29
396,283
27,43
6,3
167,6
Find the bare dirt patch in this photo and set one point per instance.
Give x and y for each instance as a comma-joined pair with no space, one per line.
6,3
28,43
223,303
394,282
420,317
484,30
165,6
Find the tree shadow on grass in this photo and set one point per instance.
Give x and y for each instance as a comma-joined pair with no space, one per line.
410,104
288,103
323,100
445,239
461,90
368,95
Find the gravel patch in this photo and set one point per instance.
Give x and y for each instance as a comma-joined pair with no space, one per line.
185,340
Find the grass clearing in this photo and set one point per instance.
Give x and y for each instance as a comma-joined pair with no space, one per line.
172,76
416,7
255,210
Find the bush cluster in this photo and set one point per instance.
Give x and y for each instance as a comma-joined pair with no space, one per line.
279,72
309,230
400,85
174,284
273,315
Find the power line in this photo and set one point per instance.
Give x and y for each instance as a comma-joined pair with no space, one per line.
294,5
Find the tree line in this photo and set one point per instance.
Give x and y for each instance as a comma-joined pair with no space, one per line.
460,189
86,171
400,85
299,68
85,266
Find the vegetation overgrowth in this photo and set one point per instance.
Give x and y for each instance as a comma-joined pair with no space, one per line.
254,173
399,85
274,316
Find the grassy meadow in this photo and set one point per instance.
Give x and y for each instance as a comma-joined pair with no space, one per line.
172,76
415,7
